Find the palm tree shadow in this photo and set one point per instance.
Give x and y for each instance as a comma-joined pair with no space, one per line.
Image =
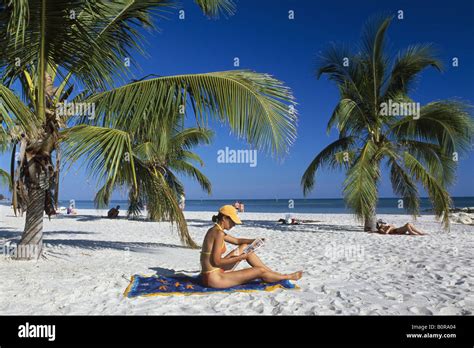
152,248
167,272
199,223
275,226
8,235
87,217
12,234
306,227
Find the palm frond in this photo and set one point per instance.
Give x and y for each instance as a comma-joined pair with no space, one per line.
253,105
103,195
448,124
107,151
5,179
95,37
404,187
213,8
347,117
192,137
441,165
162,203
360,186
325,157
191,156
14,112
146,151
408,65
374,38
188,169
439,196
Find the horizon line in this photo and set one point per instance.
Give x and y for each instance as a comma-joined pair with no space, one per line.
256,199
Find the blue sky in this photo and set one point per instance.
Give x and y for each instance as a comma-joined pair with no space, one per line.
265,40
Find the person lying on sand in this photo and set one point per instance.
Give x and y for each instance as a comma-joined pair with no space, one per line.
408,228
217,270
294,221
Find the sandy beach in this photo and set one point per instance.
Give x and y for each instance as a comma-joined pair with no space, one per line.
90,259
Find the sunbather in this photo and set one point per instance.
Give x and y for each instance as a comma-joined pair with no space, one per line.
408,228
217,269
293,221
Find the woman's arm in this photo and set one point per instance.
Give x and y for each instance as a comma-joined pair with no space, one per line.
237,241
217,259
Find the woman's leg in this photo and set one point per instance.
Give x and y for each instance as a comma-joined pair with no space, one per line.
227,280
414,230
253,259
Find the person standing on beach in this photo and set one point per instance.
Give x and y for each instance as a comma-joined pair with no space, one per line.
217,269
237,205
182,201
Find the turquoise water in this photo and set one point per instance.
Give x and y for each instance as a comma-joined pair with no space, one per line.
385,205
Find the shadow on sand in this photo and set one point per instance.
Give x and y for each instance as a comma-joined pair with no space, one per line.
167,272
275,226
153,248
7,233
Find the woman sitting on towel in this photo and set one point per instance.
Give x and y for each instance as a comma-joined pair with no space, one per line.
217,269
384,228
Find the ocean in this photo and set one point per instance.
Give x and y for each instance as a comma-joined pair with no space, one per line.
317,206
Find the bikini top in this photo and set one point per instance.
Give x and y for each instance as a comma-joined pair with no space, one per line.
223,243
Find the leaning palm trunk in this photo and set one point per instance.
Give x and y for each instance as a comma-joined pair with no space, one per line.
37,177
56,178
31,242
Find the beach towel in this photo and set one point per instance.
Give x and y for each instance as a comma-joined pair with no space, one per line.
158,285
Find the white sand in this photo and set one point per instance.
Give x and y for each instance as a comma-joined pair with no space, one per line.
88,267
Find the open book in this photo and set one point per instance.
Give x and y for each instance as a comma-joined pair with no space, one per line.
256,244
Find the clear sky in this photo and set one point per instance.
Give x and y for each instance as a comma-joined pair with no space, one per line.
265,40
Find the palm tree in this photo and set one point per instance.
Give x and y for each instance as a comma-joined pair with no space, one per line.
88,45
169,156
417,148
158,155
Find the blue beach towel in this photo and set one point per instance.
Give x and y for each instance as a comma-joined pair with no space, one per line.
158,285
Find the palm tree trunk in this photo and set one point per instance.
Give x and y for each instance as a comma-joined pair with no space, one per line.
56,178
31,243
370,222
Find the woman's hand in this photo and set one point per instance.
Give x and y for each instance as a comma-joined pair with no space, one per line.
244,256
